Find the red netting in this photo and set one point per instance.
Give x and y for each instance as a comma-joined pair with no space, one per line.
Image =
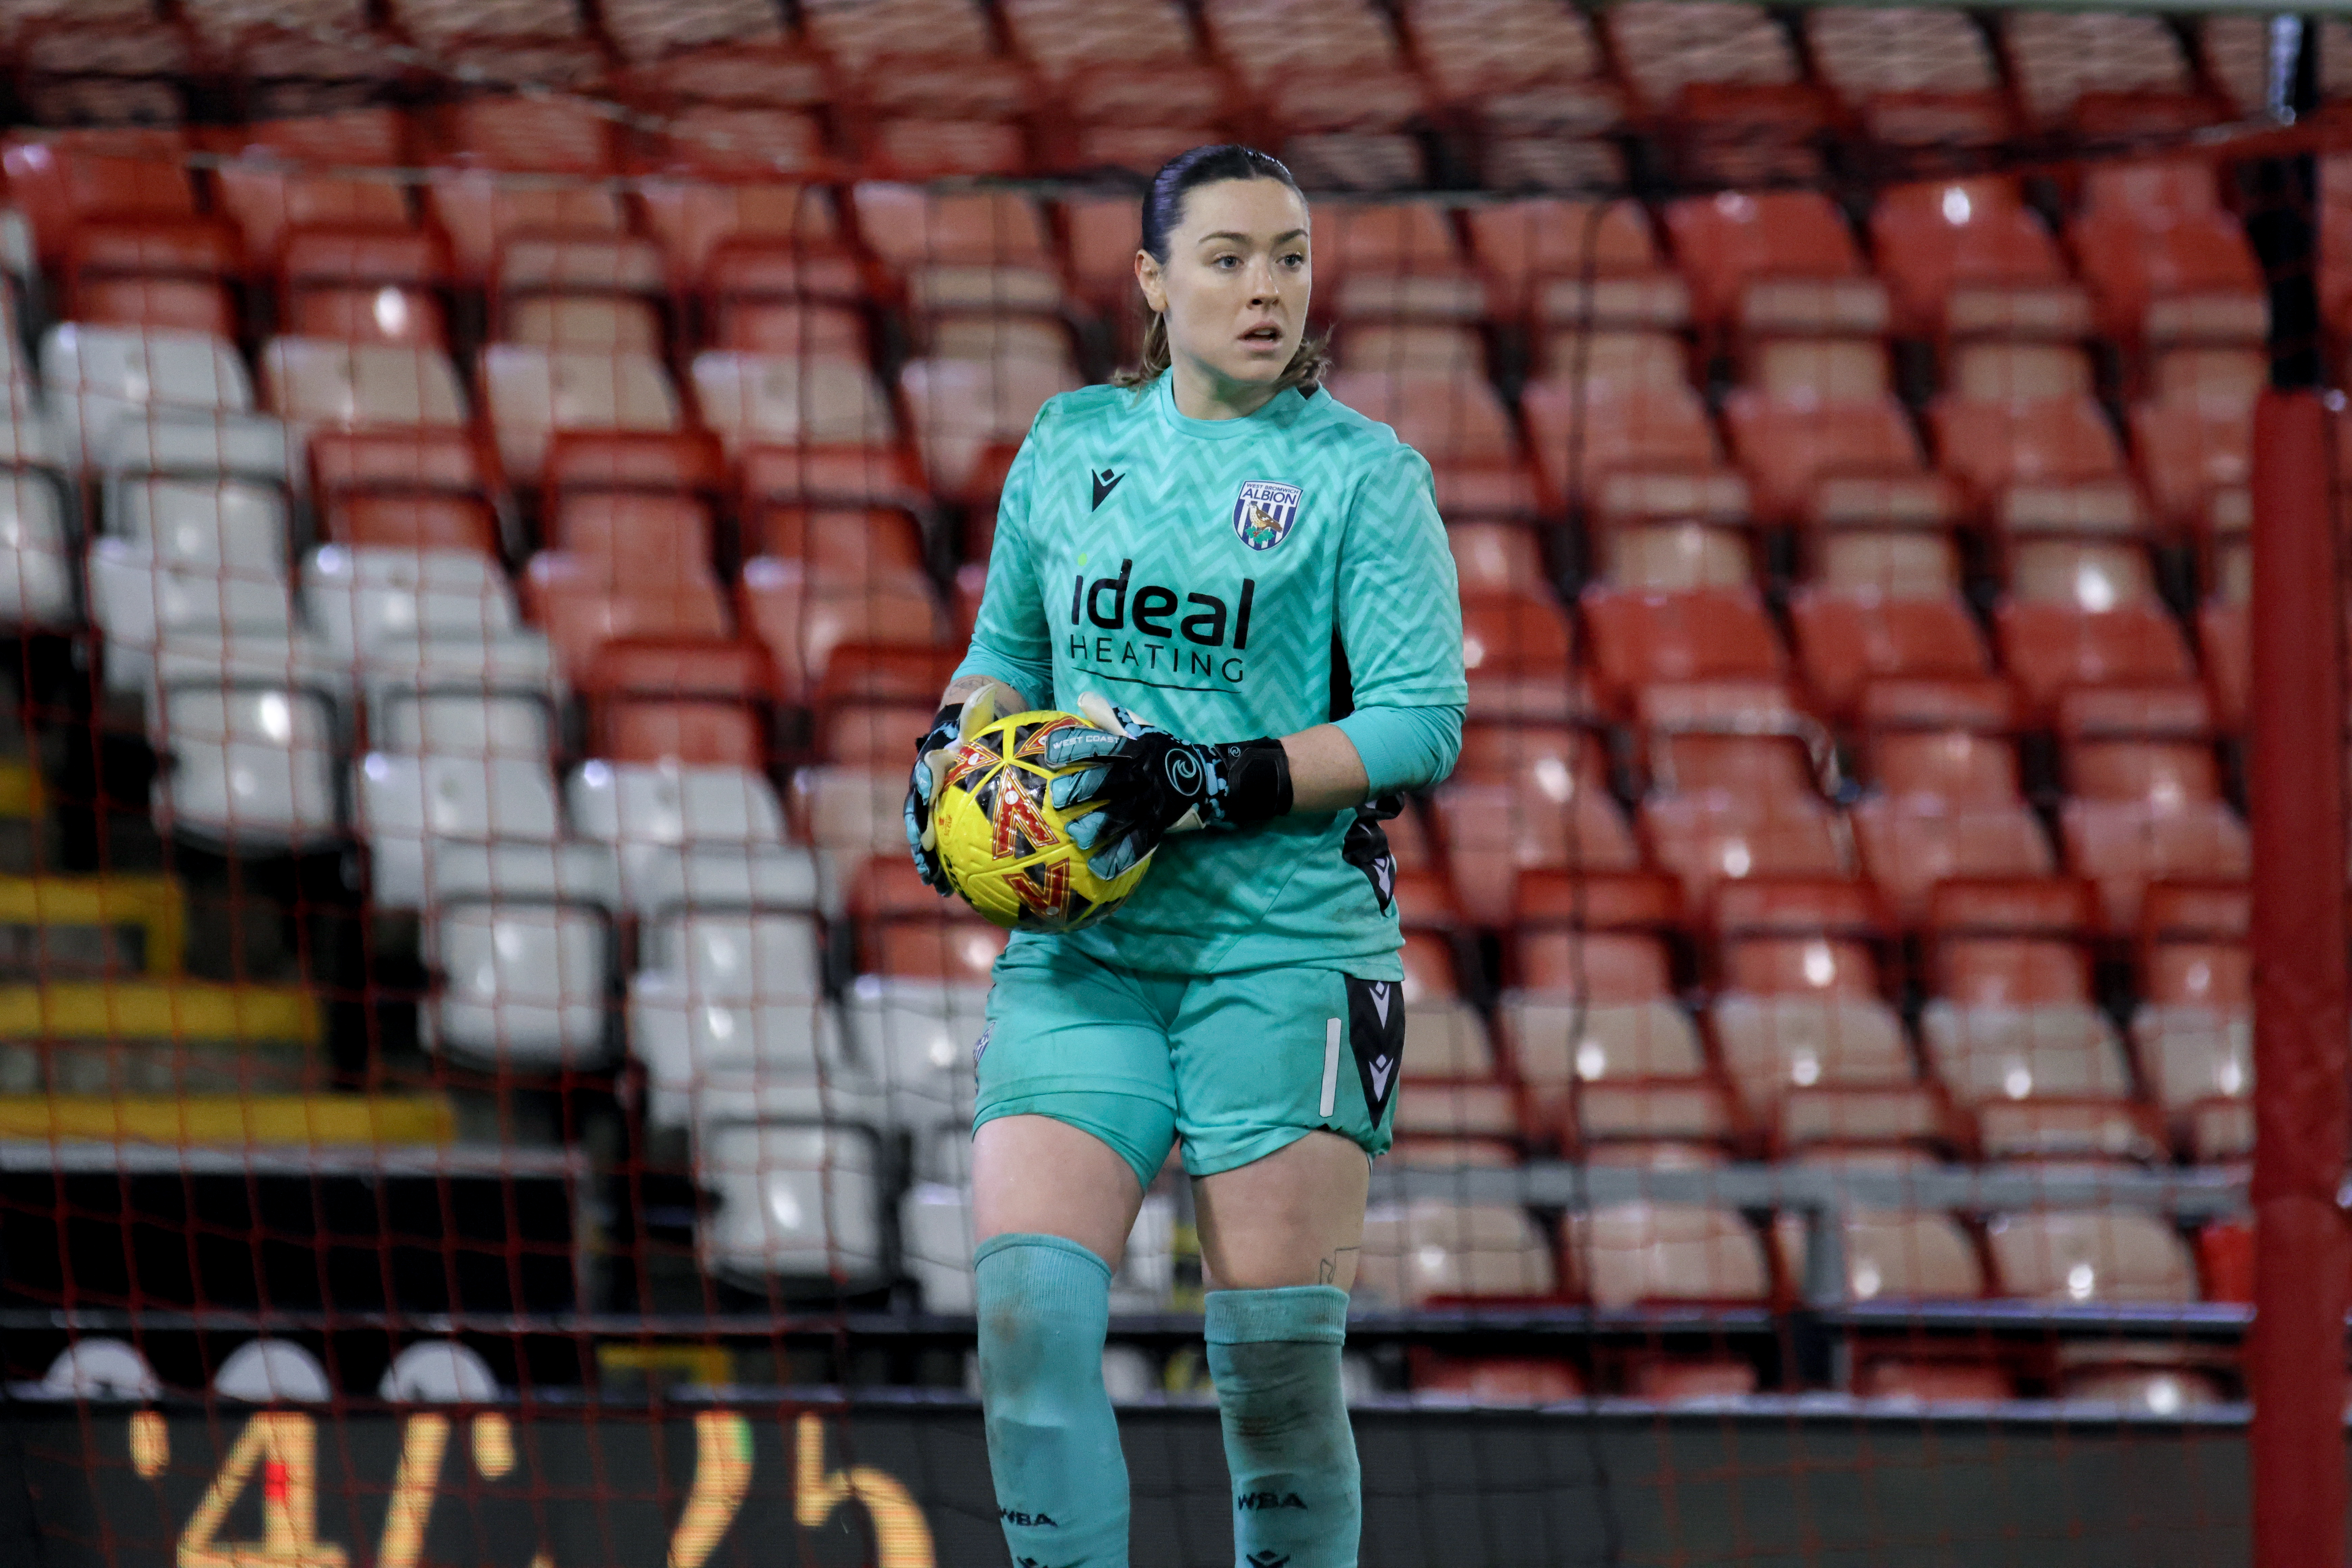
493,489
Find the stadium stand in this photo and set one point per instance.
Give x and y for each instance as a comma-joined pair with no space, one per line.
517,536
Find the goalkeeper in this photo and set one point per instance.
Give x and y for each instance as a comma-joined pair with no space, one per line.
1192,557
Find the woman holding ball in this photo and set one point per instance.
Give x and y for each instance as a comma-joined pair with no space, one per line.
1192,557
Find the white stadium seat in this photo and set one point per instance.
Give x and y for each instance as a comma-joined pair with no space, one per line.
653,812
272,1371
36,557
797,1205
411,808
238,528
361,599
438,1371
99,377
523,984
250,768
917,1037
449,724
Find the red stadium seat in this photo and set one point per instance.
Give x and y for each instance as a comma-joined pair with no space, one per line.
483,138
1644,1254
1455,420
1909,843
1549,815
1787,449
268,203
1847,640
1393,262
1968,259
1779,262
625,566
365,285
2169,275
1516,651
414,522
62,179
1641,639
1580,441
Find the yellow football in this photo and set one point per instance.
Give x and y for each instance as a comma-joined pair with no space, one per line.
1004,844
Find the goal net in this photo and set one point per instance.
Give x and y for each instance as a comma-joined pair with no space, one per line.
494,490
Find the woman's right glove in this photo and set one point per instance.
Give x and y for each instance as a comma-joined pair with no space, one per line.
950,724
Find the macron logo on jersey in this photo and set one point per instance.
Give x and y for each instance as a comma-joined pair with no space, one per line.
1105,483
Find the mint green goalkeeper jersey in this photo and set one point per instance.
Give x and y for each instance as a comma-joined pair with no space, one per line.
1201,574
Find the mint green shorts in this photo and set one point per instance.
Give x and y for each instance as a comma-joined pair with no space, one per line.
1235,1065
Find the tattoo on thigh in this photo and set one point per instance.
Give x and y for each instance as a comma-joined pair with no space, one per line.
1328,1272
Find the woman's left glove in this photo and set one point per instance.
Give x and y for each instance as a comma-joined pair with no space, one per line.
1152,784
951,723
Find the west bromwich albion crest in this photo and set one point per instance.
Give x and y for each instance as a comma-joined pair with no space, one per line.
1264,512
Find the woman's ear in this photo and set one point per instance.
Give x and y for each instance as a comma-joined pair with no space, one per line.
1147,277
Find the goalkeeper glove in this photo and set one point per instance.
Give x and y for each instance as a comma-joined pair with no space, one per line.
950,724
1150,783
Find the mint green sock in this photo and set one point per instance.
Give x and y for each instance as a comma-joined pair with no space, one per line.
1299,1497
1053,1442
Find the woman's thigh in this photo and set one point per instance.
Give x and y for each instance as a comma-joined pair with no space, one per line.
1076,1099
1293,1217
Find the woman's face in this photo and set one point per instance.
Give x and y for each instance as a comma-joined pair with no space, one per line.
1235,284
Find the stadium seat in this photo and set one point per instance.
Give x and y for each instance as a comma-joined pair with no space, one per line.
2012,1020
1645,640
532,394
1915,1383
2194,435
409,807
1850,640
2115,1255
1430,1249
2162,274
1454,419
1967,259
961,409
2193,1037
625,566
1665,45
272,1371
526,983
1947,807
253,768
1538,254
99,376
1658,1253
986,252
1649,452
1782,262
269,204
1393,262
1892,1255
1517,655
35,563
731,1019
2085,614
2060,59
1550,810
60,178
1787,448
313,382
792,398
799,1206
478,141
1604,1049
1509,61
1487,1382
1817,1054
364,286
